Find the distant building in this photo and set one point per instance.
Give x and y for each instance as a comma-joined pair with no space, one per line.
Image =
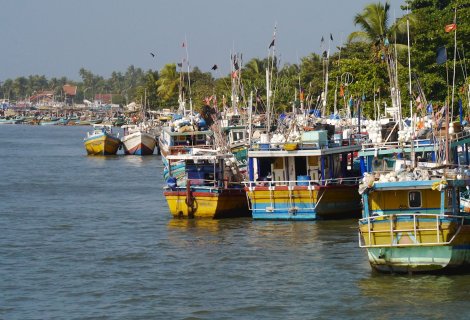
70,92
42,98
104,98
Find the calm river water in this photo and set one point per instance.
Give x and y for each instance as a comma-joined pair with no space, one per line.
91,237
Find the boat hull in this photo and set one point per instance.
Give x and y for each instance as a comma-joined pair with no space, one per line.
420,259
211,203
139,143
304,202
416,243
102,145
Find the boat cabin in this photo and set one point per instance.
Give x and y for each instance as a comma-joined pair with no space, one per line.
316,159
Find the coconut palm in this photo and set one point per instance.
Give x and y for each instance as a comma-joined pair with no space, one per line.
168,83
377,31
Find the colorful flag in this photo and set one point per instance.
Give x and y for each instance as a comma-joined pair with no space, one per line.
235,74
429,108
450,27
235,63
419,105
461,110
441,55
341,91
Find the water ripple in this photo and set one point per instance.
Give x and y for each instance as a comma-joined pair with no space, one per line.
91,238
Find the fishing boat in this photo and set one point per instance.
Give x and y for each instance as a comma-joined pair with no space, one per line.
412,221
307,179
102,141
211,187
119,121
137,140
181,140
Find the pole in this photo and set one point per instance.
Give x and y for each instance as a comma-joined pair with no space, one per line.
455,58
250,112
409,68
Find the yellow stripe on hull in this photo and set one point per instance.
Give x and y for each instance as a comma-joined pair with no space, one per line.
301,196
403,232
103,145
329,202
207,205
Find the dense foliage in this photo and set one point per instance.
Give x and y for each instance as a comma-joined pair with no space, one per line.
368,58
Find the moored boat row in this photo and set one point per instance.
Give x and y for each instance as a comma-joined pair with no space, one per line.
137,140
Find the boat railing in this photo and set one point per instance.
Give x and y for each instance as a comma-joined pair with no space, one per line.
416,142
397,144
419,233
176,149
309,201
303,183
304,145
209,184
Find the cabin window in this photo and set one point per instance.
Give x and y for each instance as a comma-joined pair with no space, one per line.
264,169
414,199
300,166
237,136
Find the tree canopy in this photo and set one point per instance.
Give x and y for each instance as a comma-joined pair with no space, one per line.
374,58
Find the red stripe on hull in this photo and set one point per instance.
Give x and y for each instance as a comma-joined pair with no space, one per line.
140,149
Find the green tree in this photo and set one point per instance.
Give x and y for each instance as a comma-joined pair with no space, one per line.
380,34
168,85
431,19
202,86
149,90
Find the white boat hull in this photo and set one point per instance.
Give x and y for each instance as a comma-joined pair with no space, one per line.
139,143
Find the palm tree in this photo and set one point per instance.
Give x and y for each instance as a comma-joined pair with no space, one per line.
168,83
254,73
379,33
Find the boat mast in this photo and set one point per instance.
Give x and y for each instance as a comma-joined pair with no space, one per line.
250,114
397,88
269,76
144,106
337,79
235,70
189,80
455,58
181,97
410,93
326,61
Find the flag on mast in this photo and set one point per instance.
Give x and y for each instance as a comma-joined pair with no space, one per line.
450,27
271,44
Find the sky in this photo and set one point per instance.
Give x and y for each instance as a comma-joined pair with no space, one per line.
57,38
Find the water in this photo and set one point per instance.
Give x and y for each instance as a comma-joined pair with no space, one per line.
90,237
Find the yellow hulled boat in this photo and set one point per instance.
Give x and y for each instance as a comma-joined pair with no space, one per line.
102,141
208,190
415,225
